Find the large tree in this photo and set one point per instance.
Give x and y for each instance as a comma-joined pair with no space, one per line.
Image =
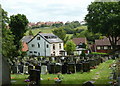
104,17
8,46
70,47
18,25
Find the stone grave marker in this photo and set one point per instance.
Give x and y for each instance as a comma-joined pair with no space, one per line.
43,69
79,67
64,68
25,69
71,68
86,66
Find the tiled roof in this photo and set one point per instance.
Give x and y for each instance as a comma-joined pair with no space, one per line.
104,41
51,37
77,41
26,38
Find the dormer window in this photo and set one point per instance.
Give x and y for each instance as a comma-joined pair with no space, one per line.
38,38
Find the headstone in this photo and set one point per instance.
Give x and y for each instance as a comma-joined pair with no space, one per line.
43,69
86,67
20,68
58,68
71,68
14,69
25,69
29,68
79,67
64,68
35,77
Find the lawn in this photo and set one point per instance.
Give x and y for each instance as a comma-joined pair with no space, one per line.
100,75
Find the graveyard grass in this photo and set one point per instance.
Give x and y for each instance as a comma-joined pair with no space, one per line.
102,73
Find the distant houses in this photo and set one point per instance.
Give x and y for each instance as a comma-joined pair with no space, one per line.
103,46
81,45
45,44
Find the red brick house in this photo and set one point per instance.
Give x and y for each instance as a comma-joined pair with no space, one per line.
25,40
103,45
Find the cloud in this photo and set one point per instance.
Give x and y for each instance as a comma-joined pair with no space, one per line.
48,10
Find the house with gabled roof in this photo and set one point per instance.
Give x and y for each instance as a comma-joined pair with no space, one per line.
45,44
104,45
81,44
24,41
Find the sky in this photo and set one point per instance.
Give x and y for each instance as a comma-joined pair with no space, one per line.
48,10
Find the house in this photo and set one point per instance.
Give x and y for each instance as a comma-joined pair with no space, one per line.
103,45
81,44
25,40
45,44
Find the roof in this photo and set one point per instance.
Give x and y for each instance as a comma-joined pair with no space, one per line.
77,41
26,38
51,38
104,41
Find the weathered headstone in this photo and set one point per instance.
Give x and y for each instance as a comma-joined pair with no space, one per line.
79,67
25,69
43,69
86,67
64,68
20,68
71,68
35,77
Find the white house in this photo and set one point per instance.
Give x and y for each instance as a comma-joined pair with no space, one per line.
45,44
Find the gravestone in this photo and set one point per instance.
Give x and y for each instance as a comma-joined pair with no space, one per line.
58,68
29,68
71,68
86,66
35,77
79,67
25,69
14,69
20,68
43,69
52,68
64,68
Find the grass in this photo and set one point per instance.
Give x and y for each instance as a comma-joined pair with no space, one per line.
102,71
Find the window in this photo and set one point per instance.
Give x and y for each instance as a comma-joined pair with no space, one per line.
105,47
38,38
33,45
30,51
98,48
35,51
53,46
38,45
38,53
60,46
47,46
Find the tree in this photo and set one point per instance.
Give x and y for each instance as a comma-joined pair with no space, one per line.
70,47
30,32
18,25
8,47
60,33
104,18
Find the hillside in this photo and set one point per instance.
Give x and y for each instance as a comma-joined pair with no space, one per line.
49,30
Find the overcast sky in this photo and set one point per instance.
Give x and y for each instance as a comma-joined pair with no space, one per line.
48,10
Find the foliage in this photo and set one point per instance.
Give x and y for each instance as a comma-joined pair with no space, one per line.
89,35
60,33
8,47
30,32
104,18
70,47
18,25
57,25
